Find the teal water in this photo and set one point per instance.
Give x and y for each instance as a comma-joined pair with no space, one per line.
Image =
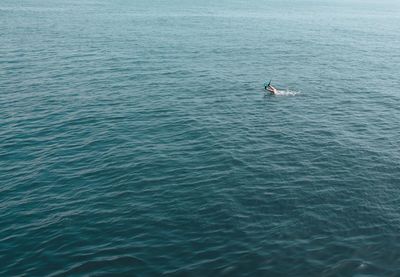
136,139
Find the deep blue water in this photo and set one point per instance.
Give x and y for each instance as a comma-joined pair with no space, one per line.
136,139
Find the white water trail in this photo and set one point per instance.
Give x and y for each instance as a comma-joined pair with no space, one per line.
287,92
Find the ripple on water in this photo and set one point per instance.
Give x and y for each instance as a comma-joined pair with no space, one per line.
140,142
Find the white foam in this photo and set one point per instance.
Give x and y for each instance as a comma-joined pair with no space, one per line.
287,92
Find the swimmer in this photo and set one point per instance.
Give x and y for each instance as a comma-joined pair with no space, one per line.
270,88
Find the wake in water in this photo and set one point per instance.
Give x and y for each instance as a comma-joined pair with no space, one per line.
286,92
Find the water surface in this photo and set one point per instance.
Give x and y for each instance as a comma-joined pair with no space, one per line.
135,138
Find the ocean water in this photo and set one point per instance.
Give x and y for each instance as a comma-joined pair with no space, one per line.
136,138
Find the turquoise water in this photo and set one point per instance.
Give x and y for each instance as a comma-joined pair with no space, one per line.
136,139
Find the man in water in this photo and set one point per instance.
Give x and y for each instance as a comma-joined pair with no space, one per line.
270,88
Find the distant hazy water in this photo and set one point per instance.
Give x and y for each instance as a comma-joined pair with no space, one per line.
135,138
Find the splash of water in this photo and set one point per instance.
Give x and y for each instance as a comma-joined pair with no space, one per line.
287,92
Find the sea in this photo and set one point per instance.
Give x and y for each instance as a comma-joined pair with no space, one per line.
136,138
